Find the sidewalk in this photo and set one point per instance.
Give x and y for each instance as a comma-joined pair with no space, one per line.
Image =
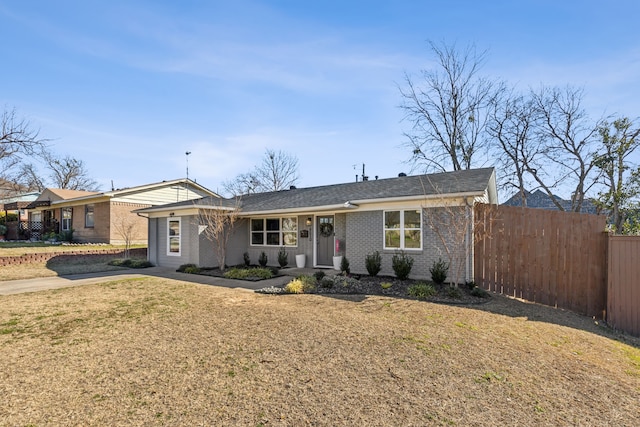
44,283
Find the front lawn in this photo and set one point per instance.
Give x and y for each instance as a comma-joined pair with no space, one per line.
160,352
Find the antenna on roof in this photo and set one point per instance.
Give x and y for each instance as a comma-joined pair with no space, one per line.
112,188
187,156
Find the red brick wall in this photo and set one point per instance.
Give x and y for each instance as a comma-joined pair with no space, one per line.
44,257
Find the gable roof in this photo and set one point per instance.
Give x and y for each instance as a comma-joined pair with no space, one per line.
541,200
139,194
474,182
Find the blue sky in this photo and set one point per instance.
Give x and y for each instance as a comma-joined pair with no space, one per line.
130,86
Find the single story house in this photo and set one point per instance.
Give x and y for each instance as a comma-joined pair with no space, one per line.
16,205
104,217
351,219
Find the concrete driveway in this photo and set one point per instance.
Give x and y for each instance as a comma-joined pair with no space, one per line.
44,283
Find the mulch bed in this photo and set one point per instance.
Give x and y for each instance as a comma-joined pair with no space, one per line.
373,285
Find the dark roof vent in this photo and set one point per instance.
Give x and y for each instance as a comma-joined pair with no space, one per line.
293,187
402,174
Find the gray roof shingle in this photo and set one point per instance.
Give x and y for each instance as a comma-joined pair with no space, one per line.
446,183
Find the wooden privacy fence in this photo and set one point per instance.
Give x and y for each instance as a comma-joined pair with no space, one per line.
548,257
623,284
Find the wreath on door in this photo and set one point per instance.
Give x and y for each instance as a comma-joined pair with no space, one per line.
326,229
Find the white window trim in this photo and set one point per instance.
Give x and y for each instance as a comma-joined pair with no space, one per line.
179,220
401,230
67,221
280,232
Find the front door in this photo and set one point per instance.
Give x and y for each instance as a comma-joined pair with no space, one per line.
324,240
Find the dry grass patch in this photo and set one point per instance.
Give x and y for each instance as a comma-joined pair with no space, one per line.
53,268
23,248
163,352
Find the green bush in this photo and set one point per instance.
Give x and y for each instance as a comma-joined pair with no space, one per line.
454,292
66,235
301,285
245,273
326,282
192,270
386,285
283,257
479,292
344,266
3,229
470,284
131,263
319,275
373,263
439,271
422,290
402,265
247,259
184,267
262,259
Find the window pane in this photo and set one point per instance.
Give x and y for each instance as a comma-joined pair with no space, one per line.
392,219
412,239
289,224
273,239
257,238
273,224
290,238
391,239
174,244
174,228
88,216
411,219
257,225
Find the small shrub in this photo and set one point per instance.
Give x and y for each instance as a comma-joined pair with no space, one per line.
3,229
345,281
402,265
183,267
319,275
283,257
246,273
439,271
470,284
386,285
326,282
454,292
479,292
301,285
247,259
131,263
66,235
373,263
344,266
262,260
422,290
192,270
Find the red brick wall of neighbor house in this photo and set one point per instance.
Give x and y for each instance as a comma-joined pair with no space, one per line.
121,213
100,231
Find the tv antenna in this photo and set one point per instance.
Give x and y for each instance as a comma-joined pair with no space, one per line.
187,154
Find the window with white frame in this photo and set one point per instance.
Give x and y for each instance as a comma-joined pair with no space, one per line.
66,218
174,242
274,231
403,229
88,216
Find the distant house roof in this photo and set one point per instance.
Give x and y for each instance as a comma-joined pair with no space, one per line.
475,182
541,200
56,196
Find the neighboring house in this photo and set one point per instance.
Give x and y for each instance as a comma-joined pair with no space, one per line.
352,219
100,217
17,205
541,200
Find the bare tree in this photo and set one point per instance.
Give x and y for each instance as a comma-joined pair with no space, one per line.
129,229
448,112
620,178
568,137
219,225
68,173
512,125
29,177
277,171
17,138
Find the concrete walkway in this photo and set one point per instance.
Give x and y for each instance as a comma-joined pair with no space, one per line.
44,283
